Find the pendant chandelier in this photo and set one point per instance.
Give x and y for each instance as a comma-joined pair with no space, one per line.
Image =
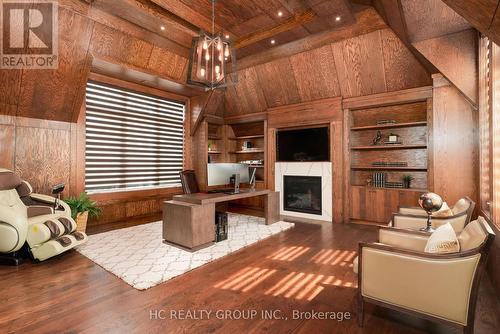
211,55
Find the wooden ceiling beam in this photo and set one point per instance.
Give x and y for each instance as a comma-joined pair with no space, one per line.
188,14
288,25
163,14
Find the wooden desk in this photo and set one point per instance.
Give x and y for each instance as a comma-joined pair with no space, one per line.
189,220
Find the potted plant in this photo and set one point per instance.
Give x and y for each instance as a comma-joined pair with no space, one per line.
82,208
407,180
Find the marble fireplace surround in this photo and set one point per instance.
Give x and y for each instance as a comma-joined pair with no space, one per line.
323,169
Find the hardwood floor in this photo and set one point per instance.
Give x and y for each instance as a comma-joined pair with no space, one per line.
303,269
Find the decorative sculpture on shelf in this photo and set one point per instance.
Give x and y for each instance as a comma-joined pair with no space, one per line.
431,203
377,138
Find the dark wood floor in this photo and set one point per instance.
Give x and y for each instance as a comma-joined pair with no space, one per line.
306,268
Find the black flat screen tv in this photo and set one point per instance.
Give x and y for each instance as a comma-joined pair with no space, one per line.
303,145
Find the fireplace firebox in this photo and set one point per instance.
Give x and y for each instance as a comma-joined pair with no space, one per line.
302,194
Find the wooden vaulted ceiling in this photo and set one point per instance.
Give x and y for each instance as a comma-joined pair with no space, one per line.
378,45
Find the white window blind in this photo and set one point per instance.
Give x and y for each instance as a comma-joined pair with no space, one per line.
133,140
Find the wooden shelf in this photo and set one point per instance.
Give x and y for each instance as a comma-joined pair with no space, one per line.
247,137
396,168
398,189
388,126
247,152
214,152
388,147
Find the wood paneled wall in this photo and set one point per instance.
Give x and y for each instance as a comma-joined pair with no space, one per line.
454,140
41,152
372,63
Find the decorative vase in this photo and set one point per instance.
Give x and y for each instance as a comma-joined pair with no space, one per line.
407,184
81,221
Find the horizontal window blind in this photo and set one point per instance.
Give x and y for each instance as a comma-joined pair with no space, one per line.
133,140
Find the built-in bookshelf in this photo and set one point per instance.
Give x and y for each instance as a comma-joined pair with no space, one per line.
215,143
246,143
373,198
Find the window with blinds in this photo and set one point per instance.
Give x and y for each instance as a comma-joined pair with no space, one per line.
485,121
133,140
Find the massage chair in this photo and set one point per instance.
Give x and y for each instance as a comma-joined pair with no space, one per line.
33,224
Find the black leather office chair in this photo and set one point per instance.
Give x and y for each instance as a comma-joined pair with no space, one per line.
189,182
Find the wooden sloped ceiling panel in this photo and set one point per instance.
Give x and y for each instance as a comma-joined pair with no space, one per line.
52,94
402,69
426,19
248,92
315,74
111,45
372,63
455,56
278,83
482,14
359,62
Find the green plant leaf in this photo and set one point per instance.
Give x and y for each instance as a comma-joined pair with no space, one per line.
82,204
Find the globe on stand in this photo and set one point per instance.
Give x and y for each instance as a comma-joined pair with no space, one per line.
431,203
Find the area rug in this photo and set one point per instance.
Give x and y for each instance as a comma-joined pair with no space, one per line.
138,256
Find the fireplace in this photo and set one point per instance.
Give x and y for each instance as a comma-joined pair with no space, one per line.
302,194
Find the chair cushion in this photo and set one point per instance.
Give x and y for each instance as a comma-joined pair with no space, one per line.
461,206
445,211
472,235
443,240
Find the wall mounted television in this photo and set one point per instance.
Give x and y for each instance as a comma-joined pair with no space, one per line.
312,144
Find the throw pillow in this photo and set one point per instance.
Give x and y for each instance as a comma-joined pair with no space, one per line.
443,240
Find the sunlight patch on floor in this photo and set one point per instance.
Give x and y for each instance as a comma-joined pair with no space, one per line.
302,286
334,257
289,253
246,279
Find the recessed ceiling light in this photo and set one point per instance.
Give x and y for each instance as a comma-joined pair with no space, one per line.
273,41
162,27
227,36
280,13
337,18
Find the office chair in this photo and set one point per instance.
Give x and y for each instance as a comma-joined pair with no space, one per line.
189,182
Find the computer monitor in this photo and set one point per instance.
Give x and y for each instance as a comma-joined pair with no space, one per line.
219,173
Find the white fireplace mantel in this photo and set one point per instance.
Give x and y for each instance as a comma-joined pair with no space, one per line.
323,169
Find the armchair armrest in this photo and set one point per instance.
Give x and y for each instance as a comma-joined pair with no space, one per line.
438,285
39,210
417,222
416,211
403,239
51,200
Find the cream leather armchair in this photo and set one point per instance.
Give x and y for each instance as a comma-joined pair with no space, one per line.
416,217
36,228
396,273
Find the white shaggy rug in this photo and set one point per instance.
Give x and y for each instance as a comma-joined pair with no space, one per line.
138,255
